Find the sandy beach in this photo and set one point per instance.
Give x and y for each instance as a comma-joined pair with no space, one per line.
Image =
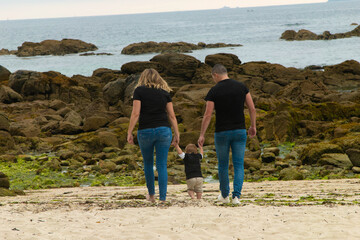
327,209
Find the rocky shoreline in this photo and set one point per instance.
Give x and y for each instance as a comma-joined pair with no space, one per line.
50,47
166,47
303,34
74,128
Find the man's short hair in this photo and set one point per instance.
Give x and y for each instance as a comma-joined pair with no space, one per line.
219,69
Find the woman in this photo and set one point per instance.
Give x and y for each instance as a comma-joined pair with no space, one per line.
152,103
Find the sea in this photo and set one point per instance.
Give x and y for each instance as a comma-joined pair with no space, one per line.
258,29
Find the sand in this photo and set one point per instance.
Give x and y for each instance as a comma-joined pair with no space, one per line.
326,209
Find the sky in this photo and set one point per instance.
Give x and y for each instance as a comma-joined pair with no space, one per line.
30,9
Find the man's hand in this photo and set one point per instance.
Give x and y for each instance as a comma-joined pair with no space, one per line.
252,132
201,141
130,138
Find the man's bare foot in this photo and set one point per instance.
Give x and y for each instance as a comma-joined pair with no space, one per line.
150,198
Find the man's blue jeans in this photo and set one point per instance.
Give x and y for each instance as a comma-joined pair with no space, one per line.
159,139
236,140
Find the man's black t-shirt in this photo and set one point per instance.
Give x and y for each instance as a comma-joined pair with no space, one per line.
229,98
153,107
192,165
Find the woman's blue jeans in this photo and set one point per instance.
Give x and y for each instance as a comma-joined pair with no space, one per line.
236,140
159,139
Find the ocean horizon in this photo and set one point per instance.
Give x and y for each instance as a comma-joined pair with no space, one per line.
258,29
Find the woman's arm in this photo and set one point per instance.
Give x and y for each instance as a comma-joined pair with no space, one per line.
206,121
250,105
133,120
173,122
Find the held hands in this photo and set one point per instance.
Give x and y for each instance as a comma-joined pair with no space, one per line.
176,140
252,131
201,141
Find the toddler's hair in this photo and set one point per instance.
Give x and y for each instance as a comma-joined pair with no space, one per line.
191,148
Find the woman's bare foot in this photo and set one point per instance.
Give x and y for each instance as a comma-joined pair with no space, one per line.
150,198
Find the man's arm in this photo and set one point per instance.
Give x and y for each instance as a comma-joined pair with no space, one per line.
252,111
206,121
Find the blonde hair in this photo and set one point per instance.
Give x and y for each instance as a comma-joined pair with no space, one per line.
152,79
191,148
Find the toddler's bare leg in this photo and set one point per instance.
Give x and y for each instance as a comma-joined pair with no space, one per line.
191,194
198,195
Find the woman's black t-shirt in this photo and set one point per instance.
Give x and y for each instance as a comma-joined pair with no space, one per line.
153,107
229,98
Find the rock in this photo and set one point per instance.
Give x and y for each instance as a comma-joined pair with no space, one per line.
66,127
271,88
340,132
63,111
290,174
8,158
138,67
354,156
175,47
268,157
336,159
53,164
253,144
107,165
4,73
188,138
73,118
51,126
4,51
65,154
114,91
54,47
179,66
346,67
304,34
274,150
4,122
288,35
97,54
6,142
354,24
226,59
202,75
25,128
107,75
252,163
108,139
94,123
356,169
57,104
314,151
7,95
253,154
4,181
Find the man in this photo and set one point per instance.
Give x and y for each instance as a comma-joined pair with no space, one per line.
228,97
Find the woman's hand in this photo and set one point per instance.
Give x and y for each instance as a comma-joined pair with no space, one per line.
201,141
176,140
130,138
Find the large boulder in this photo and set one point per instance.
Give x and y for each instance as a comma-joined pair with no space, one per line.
174,47
4,73
354,156
4,122
138,67
226,59
114,91
4,181
288,35
290,174
347,67
7,95
25,128
178,68
6,142
54,47
314,151
336,159
94,123
73,118
108,139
